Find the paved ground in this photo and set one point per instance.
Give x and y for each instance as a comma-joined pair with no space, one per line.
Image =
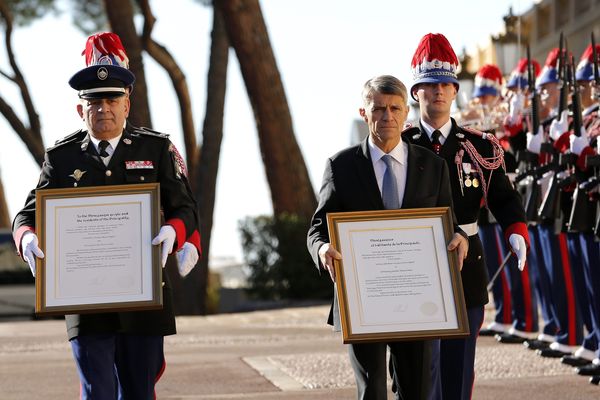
282,354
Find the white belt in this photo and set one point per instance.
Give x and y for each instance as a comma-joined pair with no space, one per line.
470,229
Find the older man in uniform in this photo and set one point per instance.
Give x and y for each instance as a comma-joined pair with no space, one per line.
118,355
477,176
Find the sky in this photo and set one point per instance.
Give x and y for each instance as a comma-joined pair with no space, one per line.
325,51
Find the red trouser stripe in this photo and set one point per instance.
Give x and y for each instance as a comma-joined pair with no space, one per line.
566,265
506,299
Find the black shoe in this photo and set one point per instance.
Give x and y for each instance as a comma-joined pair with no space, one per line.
489,332
534,344
550,353
508,338
589,370
595,380
575,361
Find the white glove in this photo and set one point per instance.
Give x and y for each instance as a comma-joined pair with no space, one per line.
578,143
517,243
560,125
534,142
167,237
31,250
187,257
516,107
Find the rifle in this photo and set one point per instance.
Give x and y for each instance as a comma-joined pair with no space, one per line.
535,98
583,210
595,65
532,198
562,77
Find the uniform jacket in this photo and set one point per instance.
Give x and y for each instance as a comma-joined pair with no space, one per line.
76,152
503,200
349,184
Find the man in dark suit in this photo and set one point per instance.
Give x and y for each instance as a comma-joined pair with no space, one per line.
118,355
477,177
357,179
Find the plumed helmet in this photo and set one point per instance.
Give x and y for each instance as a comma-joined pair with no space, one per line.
585,68
518,77
106,74
549,73
488,81
434,61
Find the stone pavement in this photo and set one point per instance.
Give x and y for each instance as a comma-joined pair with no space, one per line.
280,354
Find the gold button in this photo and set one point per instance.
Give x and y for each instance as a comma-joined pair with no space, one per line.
142,178
108,172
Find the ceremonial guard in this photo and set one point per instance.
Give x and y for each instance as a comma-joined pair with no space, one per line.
521,97
476,163
558,260
118,354
514,301
583,219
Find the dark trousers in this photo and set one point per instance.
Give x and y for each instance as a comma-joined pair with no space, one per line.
500,289
564,299
114,366
577,254
541,281
457,360
513,290
411,366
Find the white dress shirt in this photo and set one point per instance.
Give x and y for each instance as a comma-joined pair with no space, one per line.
400,156
109,149
444,130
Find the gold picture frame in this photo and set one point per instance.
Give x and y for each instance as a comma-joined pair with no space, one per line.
396,279
98,252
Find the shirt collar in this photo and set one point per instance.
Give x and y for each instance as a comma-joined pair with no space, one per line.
113,142
445,129
397,152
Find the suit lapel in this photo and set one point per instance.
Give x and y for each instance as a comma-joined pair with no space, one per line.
414,169
121,151
366,174
90,154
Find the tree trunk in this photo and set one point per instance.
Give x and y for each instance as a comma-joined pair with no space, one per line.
291,190
32,135
5,221
162,56
120,17
205,182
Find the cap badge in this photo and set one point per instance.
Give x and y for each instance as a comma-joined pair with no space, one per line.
102,73
77,174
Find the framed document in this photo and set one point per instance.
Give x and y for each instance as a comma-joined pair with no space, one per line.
98,252
396,279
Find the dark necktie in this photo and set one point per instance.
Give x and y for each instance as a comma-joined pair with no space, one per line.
389,187
102,147
435,141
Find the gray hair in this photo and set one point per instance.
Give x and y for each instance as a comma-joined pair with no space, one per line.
384,84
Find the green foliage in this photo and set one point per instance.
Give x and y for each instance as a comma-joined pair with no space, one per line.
280,265
89,16
26,11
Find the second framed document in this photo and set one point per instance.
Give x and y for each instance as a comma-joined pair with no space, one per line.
98,251
396,279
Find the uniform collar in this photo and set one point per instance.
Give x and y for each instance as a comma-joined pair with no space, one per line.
445,129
